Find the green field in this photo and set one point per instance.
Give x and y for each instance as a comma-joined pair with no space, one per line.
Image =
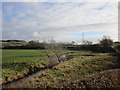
20,62
18,55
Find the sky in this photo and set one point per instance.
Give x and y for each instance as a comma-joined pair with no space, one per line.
63,21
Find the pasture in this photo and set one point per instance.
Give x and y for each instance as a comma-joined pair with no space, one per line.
18,63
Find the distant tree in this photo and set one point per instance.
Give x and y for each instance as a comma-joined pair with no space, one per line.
14,40
117,42
73,42
106,42
87,43
35,45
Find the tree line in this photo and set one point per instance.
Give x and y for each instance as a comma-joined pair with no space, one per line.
104,45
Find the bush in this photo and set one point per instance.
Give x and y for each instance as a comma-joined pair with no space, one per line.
35,45
106,42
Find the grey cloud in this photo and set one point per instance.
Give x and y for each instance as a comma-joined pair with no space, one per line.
37,21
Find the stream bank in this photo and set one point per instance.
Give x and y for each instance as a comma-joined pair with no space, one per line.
19,81
37,71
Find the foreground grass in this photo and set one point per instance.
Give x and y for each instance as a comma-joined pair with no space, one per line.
106,79
67,72
18,63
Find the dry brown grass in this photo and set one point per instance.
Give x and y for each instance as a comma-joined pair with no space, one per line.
105,79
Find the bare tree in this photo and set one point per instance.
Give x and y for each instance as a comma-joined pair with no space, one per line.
87,42
54,52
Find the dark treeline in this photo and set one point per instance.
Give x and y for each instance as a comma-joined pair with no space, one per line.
104,45
12,41
93,48
37,45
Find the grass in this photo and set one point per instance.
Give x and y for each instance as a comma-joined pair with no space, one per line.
18,54
72,70
105,79
18,63
21,62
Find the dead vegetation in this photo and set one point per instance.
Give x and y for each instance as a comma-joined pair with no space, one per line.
105,79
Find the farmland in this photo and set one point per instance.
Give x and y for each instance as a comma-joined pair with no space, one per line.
17,63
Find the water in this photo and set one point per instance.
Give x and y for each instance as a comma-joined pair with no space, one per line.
20,81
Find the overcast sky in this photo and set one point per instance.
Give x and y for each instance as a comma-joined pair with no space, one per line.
63,21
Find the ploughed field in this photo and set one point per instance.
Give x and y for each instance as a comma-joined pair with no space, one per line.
19,63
